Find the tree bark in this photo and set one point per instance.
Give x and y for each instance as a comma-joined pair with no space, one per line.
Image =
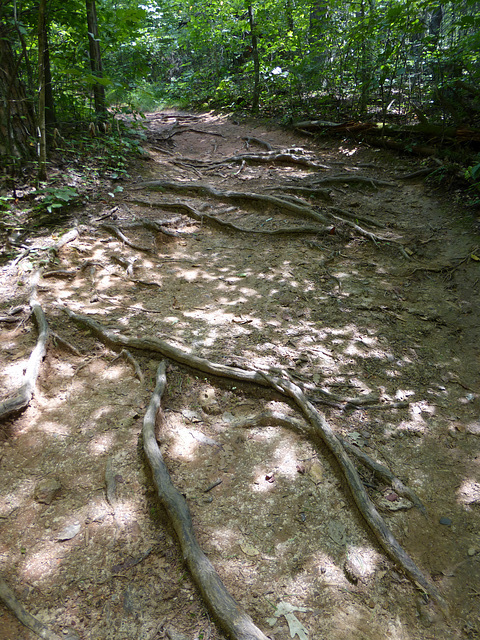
42,151
95,58
256,60
17,121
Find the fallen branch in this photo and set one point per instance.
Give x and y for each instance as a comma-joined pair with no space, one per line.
21,399
10,600
233,620
316,419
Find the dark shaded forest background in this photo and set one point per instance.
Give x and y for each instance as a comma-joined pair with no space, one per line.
67,69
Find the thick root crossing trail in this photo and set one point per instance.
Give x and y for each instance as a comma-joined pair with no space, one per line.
241,400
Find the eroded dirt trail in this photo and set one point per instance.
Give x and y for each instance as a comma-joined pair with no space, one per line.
391,323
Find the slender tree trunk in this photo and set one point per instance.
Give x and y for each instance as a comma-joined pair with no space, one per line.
95,58
17,121
42,150
256,60
50,117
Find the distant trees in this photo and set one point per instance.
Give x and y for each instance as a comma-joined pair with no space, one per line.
381,58
392,56
51,70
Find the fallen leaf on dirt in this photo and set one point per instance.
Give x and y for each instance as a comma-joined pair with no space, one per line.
391,497
248,549
337,532
69,532
191,415
295,627
315,472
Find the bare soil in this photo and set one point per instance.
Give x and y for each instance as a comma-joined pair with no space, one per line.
335,311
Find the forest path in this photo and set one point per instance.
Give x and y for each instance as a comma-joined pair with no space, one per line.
390,321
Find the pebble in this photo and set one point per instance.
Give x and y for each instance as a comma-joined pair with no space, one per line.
46,490
446,521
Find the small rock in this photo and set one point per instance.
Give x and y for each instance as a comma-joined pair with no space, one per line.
173,634
209,402
472,551
46,490
445,521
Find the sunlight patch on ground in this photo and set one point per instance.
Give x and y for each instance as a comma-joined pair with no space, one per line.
324,566
222,538
54,428
16,497
101,444
469,492
286,460
40,564
114,372
14,372
182,445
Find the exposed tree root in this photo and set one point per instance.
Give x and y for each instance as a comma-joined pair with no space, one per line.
233,620
156,226
261,143
259,158
291,205
200,188
384,473
362,500
349,178
129,358
21,399
117,233
168,350
10,600
309,191
267,418
316,419
229,226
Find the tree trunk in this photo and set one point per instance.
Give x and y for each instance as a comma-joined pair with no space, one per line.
17,121
256,60
95,58
50,117
42,151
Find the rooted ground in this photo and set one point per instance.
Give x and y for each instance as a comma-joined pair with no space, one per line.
91,554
